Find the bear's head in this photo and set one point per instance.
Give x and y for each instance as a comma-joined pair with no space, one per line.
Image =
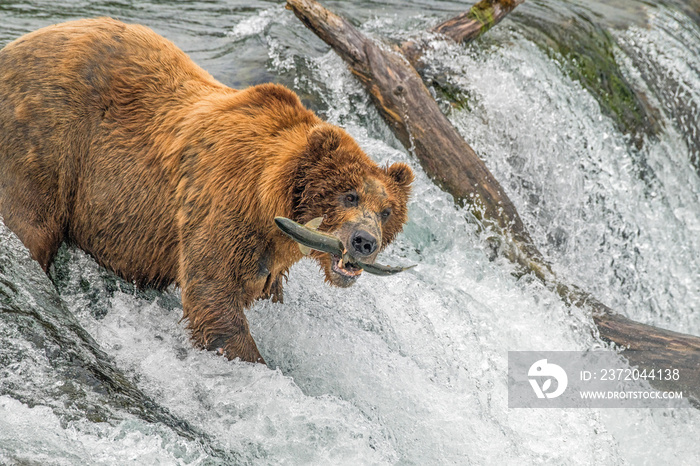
361,204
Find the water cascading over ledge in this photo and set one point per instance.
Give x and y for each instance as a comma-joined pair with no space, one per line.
411,371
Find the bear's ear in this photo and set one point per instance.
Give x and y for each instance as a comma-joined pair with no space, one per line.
401,174
322,141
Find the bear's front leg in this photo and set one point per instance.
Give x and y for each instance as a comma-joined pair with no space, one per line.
217,321
218,279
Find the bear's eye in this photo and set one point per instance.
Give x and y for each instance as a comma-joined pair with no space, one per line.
351,200
386,213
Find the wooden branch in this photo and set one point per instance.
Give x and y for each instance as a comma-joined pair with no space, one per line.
407,106
464,27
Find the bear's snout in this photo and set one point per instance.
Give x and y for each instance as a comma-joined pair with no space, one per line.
363,243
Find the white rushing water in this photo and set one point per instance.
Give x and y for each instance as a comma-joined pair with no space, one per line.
412,369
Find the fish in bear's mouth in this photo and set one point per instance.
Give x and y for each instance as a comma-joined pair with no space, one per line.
342,263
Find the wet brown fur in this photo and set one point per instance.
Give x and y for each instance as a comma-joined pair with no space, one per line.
113,139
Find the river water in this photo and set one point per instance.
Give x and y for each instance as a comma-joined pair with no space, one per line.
410,369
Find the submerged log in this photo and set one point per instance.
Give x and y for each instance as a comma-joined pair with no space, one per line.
406,104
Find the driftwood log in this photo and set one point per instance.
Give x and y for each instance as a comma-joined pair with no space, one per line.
403,100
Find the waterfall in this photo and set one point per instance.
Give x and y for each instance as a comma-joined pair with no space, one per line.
409,369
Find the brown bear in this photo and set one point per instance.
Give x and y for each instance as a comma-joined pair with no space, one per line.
111,138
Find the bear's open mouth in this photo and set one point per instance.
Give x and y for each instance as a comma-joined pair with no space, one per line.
346,269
